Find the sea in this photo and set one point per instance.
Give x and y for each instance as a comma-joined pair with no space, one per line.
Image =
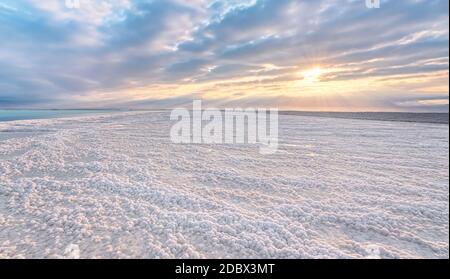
13,115
436,118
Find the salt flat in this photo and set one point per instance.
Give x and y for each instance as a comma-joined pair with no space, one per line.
114,186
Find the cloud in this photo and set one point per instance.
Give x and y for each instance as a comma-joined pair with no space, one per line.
54,56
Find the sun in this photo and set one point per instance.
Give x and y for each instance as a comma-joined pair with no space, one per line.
312,75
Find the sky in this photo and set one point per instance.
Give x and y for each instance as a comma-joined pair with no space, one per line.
315,55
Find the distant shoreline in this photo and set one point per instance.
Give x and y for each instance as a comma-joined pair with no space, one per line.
8,115
412,117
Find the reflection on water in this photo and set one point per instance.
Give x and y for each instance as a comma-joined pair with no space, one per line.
11,115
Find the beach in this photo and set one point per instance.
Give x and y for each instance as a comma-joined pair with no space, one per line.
113,185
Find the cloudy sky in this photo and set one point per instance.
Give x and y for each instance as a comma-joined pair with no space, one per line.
335,55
